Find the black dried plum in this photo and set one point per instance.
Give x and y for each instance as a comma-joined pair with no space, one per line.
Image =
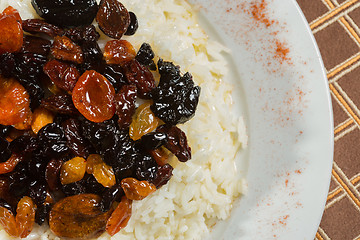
66,13
176,97
83,34
163,175
153,140
77,143
60,103
115,75
36,45
110,196
133,26
40,26
145,55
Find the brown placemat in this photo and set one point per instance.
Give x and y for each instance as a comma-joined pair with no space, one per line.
336,27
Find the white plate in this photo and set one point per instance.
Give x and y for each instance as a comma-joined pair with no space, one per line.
289,119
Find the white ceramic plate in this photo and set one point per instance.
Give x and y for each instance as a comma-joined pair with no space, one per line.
287,105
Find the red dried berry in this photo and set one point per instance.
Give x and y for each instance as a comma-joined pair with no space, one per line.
65,49
119,52
62,74
125,105
40,26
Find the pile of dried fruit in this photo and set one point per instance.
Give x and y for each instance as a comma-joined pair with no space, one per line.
71,133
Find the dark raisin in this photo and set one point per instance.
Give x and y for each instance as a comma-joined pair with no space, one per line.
146,168
92,186
5,152
65,49
56,149
74,188
63,75
83,34
177,142
176,97
38,193
23,144
125,105
93,56
133,26
42,213
37,166
51,132
36,45
40,26
153,140
29,66
4,130
7,65
110,196
77,143
66,13
19,180
115,75
145,55
113,18
52,174
6,205
61,103
36,93
163,175
140,76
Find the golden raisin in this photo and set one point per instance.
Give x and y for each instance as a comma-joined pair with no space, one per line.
135,189
25,216
78,216
14,102
41,117
93,96
7,221
91,161
10,164
119,52
120,217
160,155
102,172
72,170
143,122
65,49
11,37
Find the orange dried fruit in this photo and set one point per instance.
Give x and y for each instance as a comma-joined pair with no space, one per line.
119,52
135,189
14,102
10,164
11,37
26,125
91,161
93,96
160,155
41,117
143,122
7,221
120,217
78,216
103,173
65,49
25,216
12,11
72,170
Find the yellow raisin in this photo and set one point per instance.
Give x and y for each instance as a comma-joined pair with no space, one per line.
135,189
143,122
7,221
91,161
41,117
25,216
72,170
120,217
102,172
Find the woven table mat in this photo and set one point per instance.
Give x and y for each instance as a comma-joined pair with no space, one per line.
336,27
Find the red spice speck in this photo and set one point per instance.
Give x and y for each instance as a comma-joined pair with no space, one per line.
282,52
286,182
259,13
298,171
283,219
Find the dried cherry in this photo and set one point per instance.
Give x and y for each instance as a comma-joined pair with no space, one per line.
163,175
125,105
40,26
61,103
119,52
65,49
63,75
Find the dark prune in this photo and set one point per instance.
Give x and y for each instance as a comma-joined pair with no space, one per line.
52,174
133,26
110,196
146,168
42,213
74,188
7,65
5,152
177,142
145,55
63,75
153,140
23,144
77,143
40,26
51,132
115,75
113,18
163,175
93,57
38,192
61,103
36,45
125,105
66,13
176,97
83,34
140,76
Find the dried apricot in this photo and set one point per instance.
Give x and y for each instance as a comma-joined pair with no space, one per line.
25,216
119,52
144,121
10,164
65,49
78,216
72,170
12,11
26,125
11,37
7,221
93,96
14,102
103,173
41,117
120,217
135,189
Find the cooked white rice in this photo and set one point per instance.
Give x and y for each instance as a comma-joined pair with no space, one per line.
202,190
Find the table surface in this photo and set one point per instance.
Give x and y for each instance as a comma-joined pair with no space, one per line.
336,27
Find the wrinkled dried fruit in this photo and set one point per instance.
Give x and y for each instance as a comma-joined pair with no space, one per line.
164,174
25,216
91,161
85,221
7,221
10,164
83,34
153,140
93,96
40,118
113,18
11,37
73,170
40,26
65,49
125,105
115,75
177,142
61,103
14,102
135,189
63,75
36,45
110,196
120,217
12,11
52,174
75,139
140,76
160,155
119,52
102,172
133,26
144,121
145,55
